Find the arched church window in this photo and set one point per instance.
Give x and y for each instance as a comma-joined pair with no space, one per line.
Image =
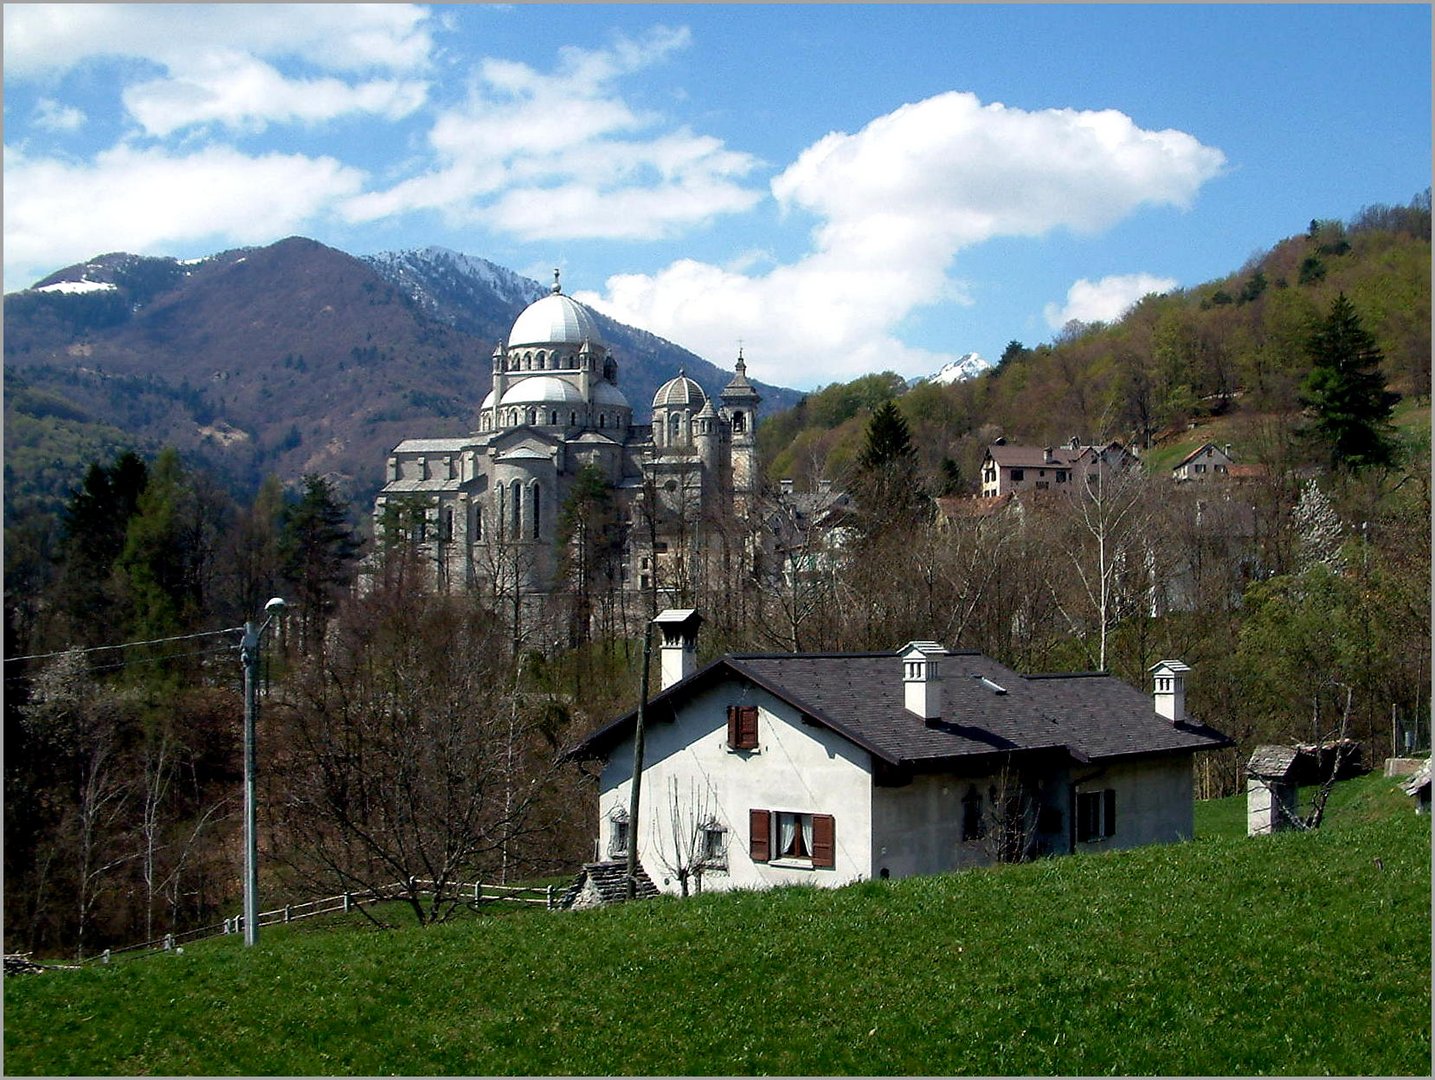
532,416
739,423
542,364
553,419
573,419
536,514
674,429
515,527
602,419
477,521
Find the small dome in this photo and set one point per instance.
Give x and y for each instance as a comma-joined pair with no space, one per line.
679,393
490,401
542,390
554,320
605,393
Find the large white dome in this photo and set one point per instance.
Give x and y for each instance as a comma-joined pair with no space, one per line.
605,393
542,390
554,320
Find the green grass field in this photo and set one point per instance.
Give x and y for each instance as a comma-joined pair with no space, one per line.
1290,954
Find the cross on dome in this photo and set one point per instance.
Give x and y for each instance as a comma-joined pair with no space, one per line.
557,288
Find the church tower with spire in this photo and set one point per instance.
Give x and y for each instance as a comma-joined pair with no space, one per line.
739,415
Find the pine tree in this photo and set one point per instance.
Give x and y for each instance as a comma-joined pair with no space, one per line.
317,547
889,492
1345,392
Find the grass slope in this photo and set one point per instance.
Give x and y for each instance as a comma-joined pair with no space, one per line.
1289,954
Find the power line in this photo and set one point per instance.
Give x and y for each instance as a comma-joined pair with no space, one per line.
144,660
127,644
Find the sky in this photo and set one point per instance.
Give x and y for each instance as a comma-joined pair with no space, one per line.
833,189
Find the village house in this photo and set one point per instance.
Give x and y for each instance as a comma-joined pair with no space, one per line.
824,769
1009,468
1207,462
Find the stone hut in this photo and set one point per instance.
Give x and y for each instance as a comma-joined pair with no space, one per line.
1271,789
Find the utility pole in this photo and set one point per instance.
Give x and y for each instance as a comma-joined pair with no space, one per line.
249,656
632,876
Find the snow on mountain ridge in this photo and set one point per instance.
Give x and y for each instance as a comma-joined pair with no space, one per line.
967,366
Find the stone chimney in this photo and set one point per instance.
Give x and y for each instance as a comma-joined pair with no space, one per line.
1169,677
1046,455
679,659
922,678
786,485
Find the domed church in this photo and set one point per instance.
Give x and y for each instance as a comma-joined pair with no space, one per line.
486,508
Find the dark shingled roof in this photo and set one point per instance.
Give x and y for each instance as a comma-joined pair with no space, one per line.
986,709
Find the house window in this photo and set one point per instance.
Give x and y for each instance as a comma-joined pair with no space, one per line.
805,839
714,851
742,727
972,814
617,834
1095,815
1200,468
1061,476
1043,485
445,532
1017,475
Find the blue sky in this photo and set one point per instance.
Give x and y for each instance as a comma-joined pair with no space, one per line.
842,188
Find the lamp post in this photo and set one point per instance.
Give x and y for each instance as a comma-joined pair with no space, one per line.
249,656
631,884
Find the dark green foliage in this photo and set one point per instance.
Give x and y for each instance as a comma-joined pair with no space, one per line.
317,547
95,525
1346,391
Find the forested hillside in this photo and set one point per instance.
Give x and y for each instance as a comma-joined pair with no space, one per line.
1233,348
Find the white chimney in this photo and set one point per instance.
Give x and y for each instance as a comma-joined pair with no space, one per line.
1046,455
786,485
922,678
679,657
1169,677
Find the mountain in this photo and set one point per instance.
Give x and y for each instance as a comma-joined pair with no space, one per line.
290,358
967,366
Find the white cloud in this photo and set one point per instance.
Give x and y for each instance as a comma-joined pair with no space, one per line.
236,83
50,115
42,38
1105,300
145,201
893,205
558,155
245,93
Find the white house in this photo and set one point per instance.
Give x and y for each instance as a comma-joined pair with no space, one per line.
824,769
1207,462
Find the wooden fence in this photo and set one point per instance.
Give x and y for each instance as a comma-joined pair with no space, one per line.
473,893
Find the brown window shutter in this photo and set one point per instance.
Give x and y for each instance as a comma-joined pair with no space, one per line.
824,840
734,739
747,727
1108,815
759,835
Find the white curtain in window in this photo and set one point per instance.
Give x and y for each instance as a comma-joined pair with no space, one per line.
787,829
807,833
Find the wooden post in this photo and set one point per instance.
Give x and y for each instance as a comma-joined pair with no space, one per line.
286,912
477,892
227,929
105,957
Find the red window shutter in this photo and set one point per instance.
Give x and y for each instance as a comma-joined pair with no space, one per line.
1108,815
734,739
759,835
824,840
747,727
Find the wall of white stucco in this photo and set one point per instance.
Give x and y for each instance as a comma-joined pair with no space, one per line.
797,767
1155,801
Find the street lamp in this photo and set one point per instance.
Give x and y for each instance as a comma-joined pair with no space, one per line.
249,656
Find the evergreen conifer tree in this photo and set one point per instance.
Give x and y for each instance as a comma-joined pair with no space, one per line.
1345,391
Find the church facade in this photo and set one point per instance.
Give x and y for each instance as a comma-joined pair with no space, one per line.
486,509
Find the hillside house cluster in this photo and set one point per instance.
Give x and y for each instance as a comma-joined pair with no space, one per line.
831,768
1009,468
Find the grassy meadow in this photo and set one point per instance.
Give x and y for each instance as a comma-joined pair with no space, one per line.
1296,954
